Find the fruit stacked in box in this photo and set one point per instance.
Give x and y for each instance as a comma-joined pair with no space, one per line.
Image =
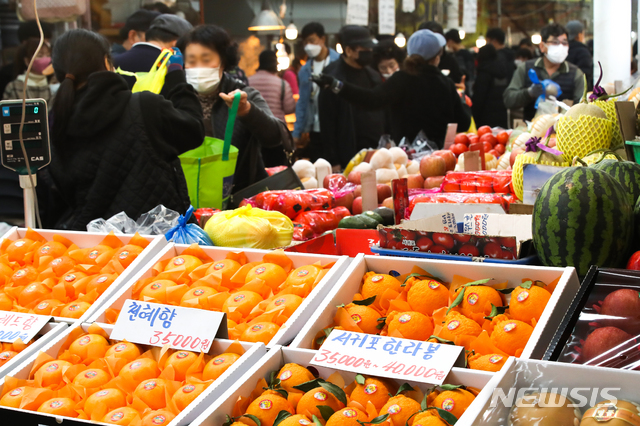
8,351
57,277
115,382
494,146
487,182
416,197
258,297
491,320
296,395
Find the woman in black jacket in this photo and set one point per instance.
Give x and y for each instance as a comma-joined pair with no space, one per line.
419,97
208,52
492,80
112,150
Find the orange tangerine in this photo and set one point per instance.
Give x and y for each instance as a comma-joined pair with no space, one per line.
125,350
296,420
242,302
427,296
59,407
181,361
6,303
303,276
291,302
158,418
18,249
127,254
456,324
5,270
91,378
454,401
365,316
139,370
61,265
120,416
347,417
46,306
490,362
13,399
226,267
273,275
318,396
32,292
157,290
428,418
376,284
91,255
413,325
74,309
89,347
186,394
374,390
51,248
184,261
291,375
111,397
511,335
528,304
260,332
7,356
478,300
197,292
400,408
266,408
50,373
218,365
100,283
152,393
24,276
71,277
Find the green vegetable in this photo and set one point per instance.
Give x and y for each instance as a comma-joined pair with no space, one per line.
370,223
352,222
374,216
387,215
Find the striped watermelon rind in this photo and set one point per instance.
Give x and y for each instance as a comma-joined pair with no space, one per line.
582,217
625,172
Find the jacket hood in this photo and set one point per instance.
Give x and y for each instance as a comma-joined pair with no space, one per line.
99,104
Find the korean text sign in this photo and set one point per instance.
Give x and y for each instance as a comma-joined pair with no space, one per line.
20,325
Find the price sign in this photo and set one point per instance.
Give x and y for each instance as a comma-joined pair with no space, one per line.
161,325
19,325
386,356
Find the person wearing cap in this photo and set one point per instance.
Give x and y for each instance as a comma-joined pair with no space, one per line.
348,128
163,33
579,54
448,63
134,31
419,97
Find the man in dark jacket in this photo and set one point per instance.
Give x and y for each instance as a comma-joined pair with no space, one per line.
448,63
346,129
134,31
579,54
465,58
492,80
496,37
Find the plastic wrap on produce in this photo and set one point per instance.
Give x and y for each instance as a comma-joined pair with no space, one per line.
485,182
321,221
157,221
293,202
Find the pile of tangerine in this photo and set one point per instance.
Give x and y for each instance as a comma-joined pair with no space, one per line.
115,382
57,277
9,350
476,315
296,397
258,297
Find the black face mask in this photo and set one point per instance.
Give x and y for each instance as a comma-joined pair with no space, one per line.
365,58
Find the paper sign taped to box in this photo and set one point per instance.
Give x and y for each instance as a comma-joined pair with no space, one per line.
425,210
499,225
20,325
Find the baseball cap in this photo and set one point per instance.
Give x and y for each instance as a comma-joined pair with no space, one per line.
425,43
355,35
172,24
139,20
574,28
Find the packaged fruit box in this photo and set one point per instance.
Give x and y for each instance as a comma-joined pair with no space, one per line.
83,377
541,393
284,381
494,311
68,275
267,295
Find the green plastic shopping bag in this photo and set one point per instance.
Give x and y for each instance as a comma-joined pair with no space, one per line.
152,81
209,169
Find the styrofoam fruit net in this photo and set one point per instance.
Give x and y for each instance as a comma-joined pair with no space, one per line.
518,168
582,136
594,158
609,108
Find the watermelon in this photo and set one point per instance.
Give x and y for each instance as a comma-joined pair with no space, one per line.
583,217
625,172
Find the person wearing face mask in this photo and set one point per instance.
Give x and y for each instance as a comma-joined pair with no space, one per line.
347,128
522,93
306,131
387,58
209,52
111,150
38,83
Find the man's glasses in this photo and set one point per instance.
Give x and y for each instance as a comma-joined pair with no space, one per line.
557,43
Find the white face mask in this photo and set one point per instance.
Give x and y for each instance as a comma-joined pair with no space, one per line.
312,50
203,80
518,62
557,53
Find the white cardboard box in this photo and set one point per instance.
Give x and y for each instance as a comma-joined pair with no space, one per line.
90,239
289,329
215,415
534,376
544,331
253,353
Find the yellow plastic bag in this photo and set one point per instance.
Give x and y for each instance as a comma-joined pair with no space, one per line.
250,227
151,81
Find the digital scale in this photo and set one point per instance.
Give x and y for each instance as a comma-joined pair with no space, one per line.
36,143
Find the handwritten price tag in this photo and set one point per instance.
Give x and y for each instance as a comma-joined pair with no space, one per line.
388,357
161,325
19,325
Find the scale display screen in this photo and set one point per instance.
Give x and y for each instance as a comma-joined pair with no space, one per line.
35,135
13,111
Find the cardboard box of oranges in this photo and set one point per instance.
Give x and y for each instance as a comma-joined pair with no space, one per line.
289,367
424,292
68,274
267,295
83,377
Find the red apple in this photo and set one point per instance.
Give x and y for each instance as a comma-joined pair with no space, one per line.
354,177
358,191
461,138
433,182
415,181
346,200
357,206
432,165
388,203
334,182
449,159
384,191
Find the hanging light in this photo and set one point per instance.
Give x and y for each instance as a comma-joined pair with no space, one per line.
462,34
400,40
481,42
339,48
291,32
266,20
283,58
536,39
